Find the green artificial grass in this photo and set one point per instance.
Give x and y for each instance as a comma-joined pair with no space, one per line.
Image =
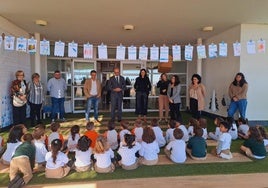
257,166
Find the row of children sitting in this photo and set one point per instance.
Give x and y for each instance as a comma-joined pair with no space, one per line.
139,147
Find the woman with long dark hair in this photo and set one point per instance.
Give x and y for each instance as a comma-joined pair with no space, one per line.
173,93
163,101
143,87
238,94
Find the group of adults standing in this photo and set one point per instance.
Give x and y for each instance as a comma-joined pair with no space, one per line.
169,96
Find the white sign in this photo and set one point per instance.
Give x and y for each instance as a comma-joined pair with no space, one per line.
251,47
120,52
212,50
32,43
143,53
132,52
237,49
176,52
261,46
21,44
201,52
164,54
102,51
188,53
154,53
72,49
88,51
59,49
44,47
223,49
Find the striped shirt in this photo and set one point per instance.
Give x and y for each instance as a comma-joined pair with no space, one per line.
36,93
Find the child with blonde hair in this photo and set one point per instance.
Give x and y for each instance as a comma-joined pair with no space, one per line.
103,156
158,133
216,134
254,147
138,130
111,135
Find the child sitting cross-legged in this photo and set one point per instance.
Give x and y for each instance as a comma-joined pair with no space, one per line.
254,147
138,130
128,152
197,147
158,133
175,150
243,128
111,135
55,134
91,133
215,135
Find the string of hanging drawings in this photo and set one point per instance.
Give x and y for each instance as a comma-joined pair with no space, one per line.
160,54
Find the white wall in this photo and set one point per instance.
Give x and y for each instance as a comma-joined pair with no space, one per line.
10,62
255,68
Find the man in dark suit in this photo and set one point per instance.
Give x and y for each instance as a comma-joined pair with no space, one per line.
117,85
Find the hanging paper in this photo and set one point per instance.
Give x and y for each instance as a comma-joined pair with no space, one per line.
164,54
188,52
44,47
132,52
32,43
9,42
143,53
212,50
120,52
223,49
102,51
21,44
201,52
237,49
59,49
88,51
176,52
72,49
251,47
154,53
261,46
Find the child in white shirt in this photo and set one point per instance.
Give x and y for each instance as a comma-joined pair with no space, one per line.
233,129
56,161
215,135
138,130
40,147
128,150
124,129
55,128
103,156
224,142
111,135
149,147
243,128
73,138
176,149
203,125
83,155
185,137
158,133
169,132
192,123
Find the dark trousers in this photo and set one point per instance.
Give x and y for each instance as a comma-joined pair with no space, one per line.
57,106
19,115
141,103
116,102
175,113
194,108
35,113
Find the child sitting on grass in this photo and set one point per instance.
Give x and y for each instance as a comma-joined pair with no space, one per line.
149,147
224,142
138,130
182,127
124,130
203,125
73,138
175,150
192,123
82,155
243,128
169,132
197,147
233,128
91,133
215,135
158,133
56,161
103,156
254,147
55,128
128,153
111,135
264,136
23,160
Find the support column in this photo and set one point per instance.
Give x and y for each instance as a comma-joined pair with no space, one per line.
37,61
199,61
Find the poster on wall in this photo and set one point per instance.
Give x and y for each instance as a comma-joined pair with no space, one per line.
237,49
88,51
154,53
72,49
212,50
261,46
21,44
164,52
223,49
251,47
176,52
44,47
201,52
143,52
120,52
188,52
132,52
102,51
31,47
9,43
59,49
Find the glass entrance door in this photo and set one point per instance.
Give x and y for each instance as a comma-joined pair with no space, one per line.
80,72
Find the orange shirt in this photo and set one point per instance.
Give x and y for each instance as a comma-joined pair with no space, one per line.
92,135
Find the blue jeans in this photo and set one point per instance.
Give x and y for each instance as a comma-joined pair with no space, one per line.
241,105
92,101
57,106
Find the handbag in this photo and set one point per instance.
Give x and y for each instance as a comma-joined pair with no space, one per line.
17,102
